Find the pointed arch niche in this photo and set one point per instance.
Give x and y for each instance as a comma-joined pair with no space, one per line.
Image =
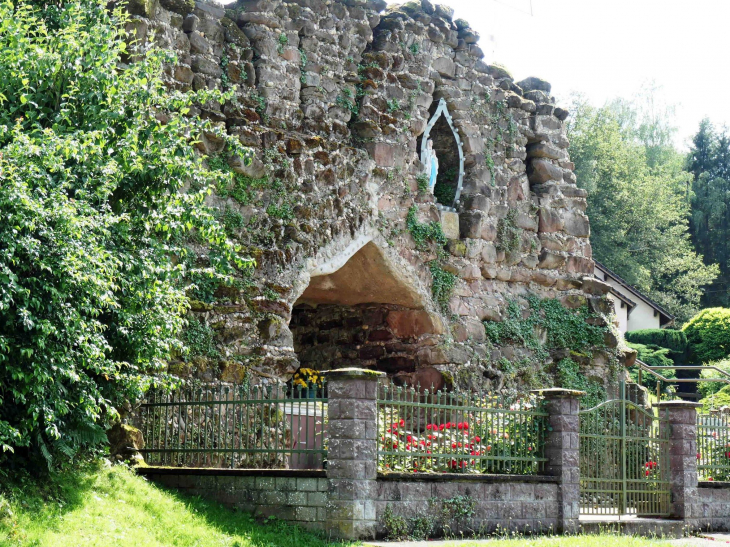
450,153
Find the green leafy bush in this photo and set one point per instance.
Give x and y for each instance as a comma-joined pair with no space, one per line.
93,159
708,335
673,340
707,389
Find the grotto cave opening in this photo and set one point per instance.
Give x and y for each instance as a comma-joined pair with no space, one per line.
366,315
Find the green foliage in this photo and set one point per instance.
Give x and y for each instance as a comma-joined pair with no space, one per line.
303,60
561,327
415,48
443,284
393,105
446,185
548,325
718,399
348,102
509,235
396,527
225,80
708,335
199,339
674,340
569,376
422,181
423,234
92,300
283,42
708,389
709,162
232,220
637,201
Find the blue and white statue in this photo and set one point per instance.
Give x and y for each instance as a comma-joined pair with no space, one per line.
432,165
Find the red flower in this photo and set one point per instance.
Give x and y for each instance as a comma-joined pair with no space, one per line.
441,427
429,427
409,438
698,455
466,425
430,437
395,445
460,425
489,447
647,472
402,422
477,439
453,445
710,479
448,425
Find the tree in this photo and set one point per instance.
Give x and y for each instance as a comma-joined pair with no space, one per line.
709,162
637,202
708,335
94,156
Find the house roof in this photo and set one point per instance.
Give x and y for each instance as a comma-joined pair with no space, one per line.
635,292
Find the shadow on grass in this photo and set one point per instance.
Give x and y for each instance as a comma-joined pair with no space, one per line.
49,496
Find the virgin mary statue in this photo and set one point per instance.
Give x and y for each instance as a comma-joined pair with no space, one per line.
432,165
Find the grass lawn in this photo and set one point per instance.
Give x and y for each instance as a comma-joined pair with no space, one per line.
98,506
111,506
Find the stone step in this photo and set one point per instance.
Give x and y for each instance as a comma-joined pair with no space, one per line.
633,526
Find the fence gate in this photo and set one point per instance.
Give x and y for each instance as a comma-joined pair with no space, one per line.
624,458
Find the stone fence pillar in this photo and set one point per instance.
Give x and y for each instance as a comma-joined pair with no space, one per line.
352,452
563,452
681,418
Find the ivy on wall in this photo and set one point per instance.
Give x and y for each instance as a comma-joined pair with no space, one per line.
546,326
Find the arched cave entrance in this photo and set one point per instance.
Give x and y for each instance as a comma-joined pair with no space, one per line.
366,315
448,148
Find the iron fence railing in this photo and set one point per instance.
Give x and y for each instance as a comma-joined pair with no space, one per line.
713,446
466,432
236,426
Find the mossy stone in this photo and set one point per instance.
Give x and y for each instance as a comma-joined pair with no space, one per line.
183,7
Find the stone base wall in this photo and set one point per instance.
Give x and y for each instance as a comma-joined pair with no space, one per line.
297,497
713,507
527,504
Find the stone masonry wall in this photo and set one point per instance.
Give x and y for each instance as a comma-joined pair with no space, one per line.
524,504
296,497
332,96
712,512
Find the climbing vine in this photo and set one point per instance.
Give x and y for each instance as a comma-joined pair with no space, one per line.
443,283
548,326
423,234
509,235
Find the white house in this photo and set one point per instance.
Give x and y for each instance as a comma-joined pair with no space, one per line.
634,310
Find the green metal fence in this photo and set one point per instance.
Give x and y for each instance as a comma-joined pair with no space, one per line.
713,446
465,432
236,426
624,458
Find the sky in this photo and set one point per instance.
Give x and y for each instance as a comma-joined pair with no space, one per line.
615,48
